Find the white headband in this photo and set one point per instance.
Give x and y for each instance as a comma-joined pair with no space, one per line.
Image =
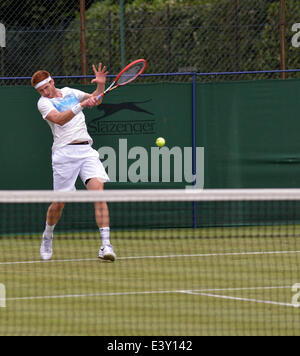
45,81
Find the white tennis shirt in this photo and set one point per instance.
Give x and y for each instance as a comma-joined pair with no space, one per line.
73,130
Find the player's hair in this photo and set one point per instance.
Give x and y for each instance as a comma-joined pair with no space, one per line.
39,76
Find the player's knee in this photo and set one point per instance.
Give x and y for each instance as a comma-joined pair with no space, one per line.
94,184
57,207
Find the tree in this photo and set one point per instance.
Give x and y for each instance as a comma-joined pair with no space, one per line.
206,35
269,49
38,13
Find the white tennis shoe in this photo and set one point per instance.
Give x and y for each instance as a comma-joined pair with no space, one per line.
107,253
46,249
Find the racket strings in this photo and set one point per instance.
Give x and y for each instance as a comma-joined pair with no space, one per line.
131,73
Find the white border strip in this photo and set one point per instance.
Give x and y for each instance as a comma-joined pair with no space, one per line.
149,195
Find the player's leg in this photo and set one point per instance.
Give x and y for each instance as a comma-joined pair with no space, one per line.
106,251
93,175
53,216
65,172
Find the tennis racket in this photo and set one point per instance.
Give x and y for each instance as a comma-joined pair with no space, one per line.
126,76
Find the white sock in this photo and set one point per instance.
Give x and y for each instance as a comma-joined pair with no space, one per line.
48,233
105,233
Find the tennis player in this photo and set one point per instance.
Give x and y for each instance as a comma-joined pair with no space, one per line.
72,152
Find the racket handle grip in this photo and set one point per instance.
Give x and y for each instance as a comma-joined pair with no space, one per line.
100,96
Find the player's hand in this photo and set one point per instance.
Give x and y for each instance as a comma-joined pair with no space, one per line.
100,74
90,102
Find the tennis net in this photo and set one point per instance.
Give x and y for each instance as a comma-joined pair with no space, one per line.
189,262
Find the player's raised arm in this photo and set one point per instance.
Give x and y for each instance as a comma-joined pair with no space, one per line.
100,80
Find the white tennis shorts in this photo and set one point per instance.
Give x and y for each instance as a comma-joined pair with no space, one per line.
72,161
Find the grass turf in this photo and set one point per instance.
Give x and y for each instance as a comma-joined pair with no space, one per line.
226,281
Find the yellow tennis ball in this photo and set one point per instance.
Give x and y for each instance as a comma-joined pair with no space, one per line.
160,141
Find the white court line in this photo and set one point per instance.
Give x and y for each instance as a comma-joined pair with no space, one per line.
257,253
50,261
236,289
92,295
201,292
241,299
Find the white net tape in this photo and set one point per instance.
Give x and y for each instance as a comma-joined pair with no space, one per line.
148,195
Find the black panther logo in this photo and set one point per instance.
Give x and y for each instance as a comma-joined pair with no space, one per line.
110,109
